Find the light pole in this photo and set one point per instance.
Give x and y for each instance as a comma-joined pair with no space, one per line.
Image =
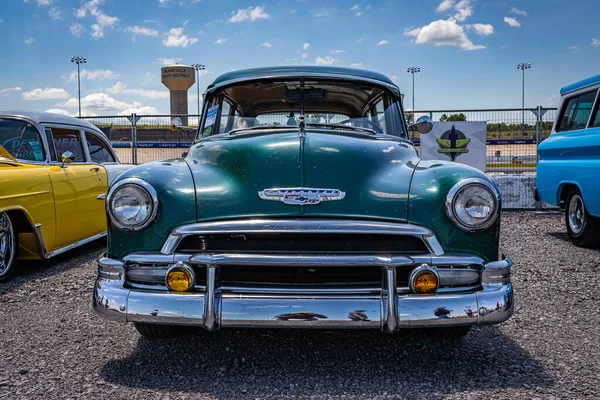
523,66
79,60
198,68
413,71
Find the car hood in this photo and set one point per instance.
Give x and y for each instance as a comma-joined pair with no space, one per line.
374,171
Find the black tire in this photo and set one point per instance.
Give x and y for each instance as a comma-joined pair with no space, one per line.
153,331
583,228
452,332
9,247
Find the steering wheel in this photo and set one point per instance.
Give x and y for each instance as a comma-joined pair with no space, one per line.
375,126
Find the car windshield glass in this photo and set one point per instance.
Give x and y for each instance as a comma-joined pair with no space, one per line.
21,139
336,105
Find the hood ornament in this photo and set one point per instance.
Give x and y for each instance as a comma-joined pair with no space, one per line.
301,196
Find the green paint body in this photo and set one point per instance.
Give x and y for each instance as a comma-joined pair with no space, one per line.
382,175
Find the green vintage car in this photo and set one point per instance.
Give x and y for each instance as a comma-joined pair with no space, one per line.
302,203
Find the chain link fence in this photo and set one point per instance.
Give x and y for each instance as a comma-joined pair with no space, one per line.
513,135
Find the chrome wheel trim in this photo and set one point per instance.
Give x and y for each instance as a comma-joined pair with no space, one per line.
7,243
576,214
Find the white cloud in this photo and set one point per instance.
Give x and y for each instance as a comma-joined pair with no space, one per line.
142,110
169,60
305,46
29,40
54,13
266,44
249,14
44,3
7,91
327,60
304,55
220,40
99,102
120,87
512,22
394,78
321,14
481,29
103,21
356,65
45,94
92,75
463,10
382,42
140,30
443,33
336,51
595,42
515,10
176,38
445,5
77,29
575,48
59,111
354,7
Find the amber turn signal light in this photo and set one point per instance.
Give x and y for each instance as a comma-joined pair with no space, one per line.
424,279
180,277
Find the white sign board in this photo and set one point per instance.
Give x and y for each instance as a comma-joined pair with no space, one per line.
461,141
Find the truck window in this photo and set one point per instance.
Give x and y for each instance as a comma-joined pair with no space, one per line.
576,113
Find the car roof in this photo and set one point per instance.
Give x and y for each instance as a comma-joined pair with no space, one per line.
299,71
49,118
581,84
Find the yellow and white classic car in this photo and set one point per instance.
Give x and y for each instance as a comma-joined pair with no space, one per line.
54,175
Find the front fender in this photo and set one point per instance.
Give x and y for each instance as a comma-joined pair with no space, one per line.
174,186
430,185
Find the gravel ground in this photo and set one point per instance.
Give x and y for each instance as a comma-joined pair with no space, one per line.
53,346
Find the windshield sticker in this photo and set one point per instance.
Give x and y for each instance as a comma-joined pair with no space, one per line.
211,116
207,131
37,150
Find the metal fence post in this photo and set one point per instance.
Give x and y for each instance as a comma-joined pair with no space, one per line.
538,135
133,139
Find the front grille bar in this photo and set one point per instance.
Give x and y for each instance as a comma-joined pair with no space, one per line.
281,226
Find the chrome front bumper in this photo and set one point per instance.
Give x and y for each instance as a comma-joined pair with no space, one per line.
386,308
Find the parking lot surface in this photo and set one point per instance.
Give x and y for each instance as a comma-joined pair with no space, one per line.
53,346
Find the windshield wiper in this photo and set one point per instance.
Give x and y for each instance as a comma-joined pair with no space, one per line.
252,128
347,127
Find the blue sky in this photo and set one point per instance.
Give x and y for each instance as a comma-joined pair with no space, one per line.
467,49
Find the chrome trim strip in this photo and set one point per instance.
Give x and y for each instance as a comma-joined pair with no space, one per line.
101,196
301,225
37,230
389,302
211,314
300,260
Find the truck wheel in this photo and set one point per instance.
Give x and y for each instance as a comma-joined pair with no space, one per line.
583,228
8,247
153,331
452,332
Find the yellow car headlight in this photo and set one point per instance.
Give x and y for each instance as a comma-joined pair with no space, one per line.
180,277
423,280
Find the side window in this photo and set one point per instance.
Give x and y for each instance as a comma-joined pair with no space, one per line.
99,152
225,110
596,117
380,110
576,112
51,150
68,140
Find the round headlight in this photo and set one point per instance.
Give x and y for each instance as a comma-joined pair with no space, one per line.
132,204
473,204
423,280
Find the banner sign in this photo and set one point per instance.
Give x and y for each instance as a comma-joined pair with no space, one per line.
460,141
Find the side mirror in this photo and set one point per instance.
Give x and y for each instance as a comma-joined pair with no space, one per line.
424,124
67,158
176,123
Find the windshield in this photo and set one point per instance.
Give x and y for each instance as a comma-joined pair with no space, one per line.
22,140
356,106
